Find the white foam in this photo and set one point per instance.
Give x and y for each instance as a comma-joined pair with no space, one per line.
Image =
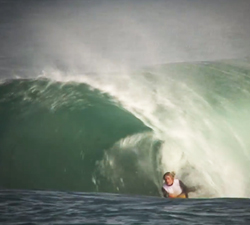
199,141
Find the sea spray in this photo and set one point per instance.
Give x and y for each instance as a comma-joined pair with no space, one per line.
198,111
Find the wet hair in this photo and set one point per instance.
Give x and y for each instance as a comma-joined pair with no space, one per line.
172,174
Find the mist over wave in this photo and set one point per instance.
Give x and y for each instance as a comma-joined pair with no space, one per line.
107,36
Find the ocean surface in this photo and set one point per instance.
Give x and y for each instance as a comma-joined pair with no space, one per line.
54,207
98,99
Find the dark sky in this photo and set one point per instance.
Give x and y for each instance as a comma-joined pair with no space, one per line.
113,34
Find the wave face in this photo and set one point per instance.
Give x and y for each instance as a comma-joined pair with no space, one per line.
52,134
121,132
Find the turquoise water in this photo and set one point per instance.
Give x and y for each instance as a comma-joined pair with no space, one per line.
52,134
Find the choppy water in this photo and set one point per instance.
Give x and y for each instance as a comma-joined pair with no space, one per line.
50,207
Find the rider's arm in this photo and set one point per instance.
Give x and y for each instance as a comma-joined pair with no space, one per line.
165,193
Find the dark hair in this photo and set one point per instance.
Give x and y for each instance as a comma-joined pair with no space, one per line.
172,174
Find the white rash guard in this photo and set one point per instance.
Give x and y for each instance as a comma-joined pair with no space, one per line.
173,190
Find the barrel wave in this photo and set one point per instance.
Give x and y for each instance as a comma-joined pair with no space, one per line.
52,133
120,132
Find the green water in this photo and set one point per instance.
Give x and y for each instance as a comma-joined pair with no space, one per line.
120,133
52,134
